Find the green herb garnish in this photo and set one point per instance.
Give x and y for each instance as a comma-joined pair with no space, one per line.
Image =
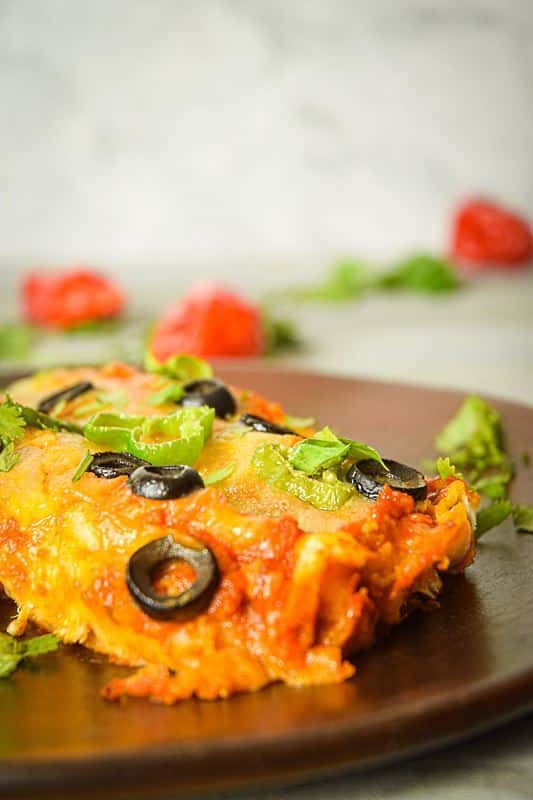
219,474
326,492
15,341
83,466
492,515
12,422
446,469
12,426
350,280
313,455
181,367
170,394
421,273
8,457
473,441
325,450
14,417
36,419
13,651
347,280
280,334
523,518
97,327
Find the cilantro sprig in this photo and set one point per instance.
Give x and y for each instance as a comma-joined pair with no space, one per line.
14,418
349,280
12,424
473,441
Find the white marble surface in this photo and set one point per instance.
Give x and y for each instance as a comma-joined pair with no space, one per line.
202,137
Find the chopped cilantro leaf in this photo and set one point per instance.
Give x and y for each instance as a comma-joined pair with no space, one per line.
181,367
83,466
492,515
473,442
13,651
8,457
15,341
523,518
280,334
314,455
36,419
12,422
325,450
219,474
421,273
347,280
446,469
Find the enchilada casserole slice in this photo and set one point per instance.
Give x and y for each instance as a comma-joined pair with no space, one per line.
260,556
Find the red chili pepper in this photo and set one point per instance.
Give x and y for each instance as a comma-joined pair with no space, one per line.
485,234
209,321
67,299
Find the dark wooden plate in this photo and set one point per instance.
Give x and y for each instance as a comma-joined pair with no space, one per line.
439,677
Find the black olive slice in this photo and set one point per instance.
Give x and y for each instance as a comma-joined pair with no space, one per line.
210,393
112,465
264,425
47,405
185,605
369,478
165,483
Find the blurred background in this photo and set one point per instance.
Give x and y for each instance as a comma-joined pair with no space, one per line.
260,141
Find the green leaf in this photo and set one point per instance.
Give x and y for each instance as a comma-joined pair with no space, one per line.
12,422
359,451
170,394
473,441
13,651
47,643
495,484
15,341
347,280
36,419
421,273
280,334
98,327
476,426
446,469
219,474
298,423
181,367
325,450
312,455
83,466
8,457
491,516
8,664
523,518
